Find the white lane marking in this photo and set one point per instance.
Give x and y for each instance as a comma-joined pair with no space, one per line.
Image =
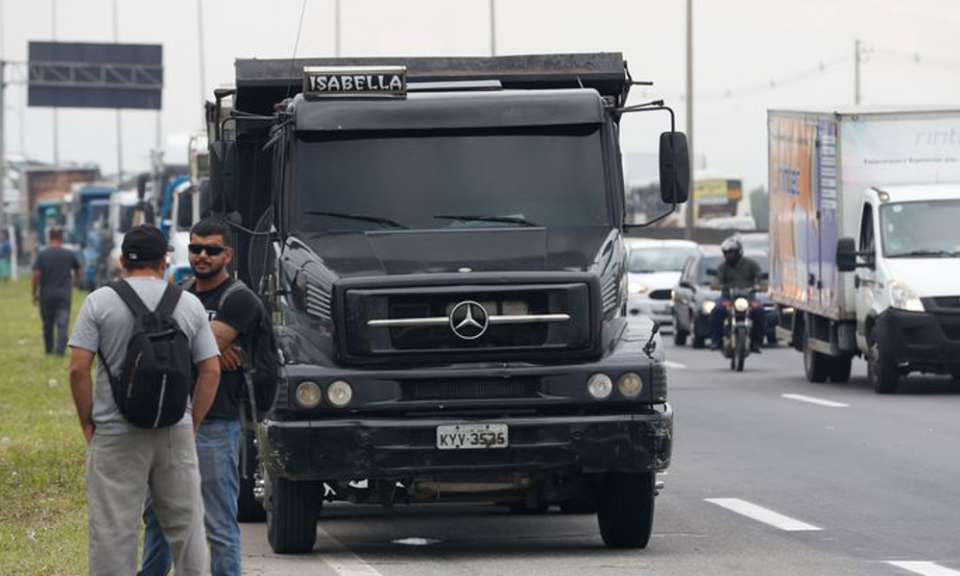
817,401
672,364
925,568
340,558
762,514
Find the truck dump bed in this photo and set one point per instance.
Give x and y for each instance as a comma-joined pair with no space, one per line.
263,83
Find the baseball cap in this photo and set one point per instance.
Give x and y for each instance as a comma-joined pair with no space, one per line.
144,243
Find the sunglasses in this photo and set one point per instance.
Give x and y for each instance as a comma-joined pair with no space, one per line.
211,249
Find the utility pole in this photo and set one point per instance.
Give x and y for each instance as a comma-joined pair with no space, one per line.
3,134
493,27
56,114
336,31
3,150
856,72
116,39
691,206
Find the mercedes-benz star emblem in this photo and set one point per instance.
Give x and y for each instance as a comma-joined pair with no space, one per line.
469,320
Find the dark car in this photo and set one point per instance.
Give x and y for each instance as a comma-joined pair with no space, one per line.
694,299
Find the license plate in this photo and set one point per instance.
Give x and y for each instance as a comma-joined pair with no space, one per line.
472,436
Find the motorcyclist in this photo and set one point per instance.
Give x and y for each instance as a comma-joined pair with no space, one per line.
738,273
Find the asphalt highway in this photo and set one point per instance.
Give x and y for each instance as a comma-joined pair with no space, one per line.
770,475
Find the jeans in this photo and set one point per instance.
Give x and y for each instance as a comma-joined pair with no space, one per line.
55,313
218,451
757,314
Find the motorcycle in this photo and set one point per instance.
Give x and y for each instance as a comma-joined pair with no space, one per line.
737,327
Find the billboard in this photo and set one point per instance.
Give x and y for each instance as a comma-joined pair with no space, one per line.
88,75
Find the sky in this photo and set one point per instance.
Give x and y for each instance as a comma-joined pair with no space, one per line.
749,56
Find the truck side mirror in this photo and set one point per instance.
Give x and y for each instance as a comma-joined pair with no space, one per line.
674,168
846,255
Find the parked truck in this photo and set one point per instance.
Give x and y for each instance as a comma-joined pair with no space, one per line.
440,241
865,247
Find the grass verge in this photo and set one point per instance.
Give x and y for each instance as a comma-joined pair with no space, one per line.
43,516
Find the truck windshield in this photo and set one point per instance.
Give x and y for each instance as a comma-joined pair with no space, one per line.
926,229
548,176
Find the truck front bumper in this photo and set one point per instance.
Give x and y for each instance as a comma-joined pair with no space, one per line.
397,448
925,340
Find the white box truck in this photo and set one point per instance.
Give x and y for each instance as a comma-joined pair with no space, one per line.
865,240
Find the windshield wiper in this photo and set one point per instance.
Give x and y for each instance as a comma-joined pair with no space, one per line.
921,253
362,217
502,219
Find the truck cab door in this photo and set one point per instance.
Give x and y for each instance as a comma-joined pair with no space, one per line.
865,279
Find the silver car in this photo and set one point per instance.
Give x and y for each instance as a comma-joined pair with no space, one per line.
654,268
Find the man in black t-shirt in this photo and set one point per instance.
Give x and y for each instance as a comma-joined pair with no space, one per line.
234,315
55,272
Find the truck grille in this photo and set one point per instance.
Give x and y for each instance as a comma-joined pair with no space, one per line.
470,389
535,319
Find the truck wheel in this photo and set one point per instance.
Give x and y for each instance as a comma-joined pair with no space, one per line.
292,518
881,368
840,369
679,335
815,365
625,514
248,508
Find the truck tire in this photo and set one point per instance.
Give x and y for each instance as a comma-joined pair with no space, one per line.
881,369
292,518
626,507
816,365
840,367
248,508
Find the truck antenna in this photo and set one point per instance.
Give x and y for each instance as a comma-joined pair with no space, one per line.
296,44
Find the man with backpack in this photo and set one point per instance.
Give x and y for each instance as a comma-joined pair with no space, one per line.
140,419
235,314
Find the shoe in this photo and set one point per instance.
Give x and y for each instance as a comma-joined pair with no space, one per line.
755,349
714,346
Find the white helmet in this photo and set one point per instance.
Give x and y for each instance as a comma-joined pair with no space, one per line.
732,244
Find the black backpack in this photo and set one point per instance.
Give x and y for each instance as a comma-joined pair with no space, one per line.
261,360
157,376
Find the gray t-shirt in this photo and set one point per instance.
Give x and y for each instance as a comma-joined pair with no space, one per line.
56,264
106,324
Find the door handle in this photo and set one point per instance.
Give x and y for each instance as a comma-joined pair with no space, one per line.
856,281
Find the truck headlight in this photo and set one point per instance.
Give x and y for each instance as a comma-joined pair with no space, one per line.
339,393
638,288
902,297
630,385
600,386
741,305
309,394
708,306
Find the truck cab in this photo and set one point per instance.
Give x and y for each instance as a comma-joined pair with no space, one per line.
441,243
907,299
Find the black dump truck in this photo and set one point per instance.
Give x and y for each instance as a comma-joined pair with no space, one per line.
440,242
